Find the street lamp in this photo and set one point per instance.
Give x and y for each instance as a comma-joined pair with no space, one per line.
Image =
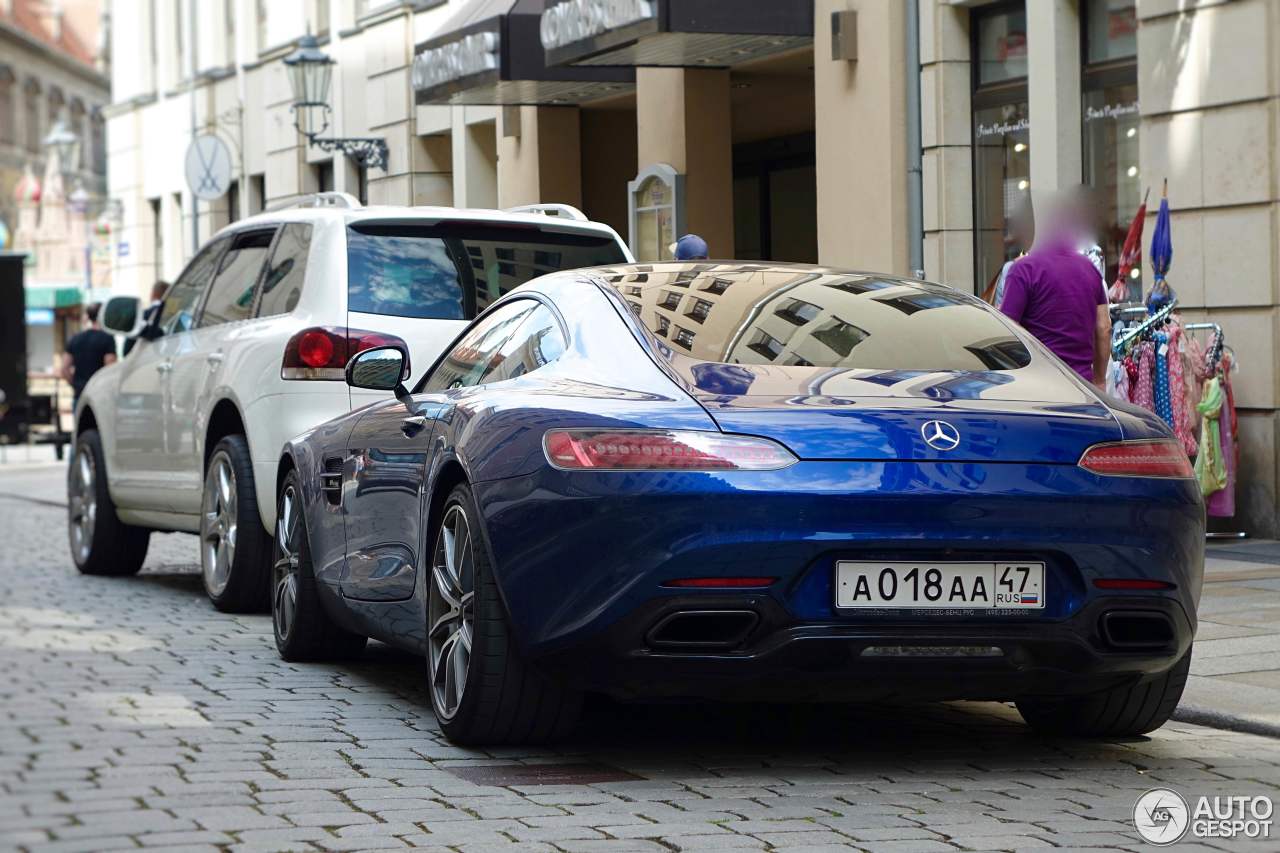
63,142
310,73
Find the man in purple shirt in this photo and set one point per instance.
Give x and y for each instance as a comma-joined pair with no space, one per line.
1054,292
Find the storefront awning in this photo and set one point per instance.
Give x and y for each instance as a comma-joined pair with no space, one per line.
491,53
52,296
680,33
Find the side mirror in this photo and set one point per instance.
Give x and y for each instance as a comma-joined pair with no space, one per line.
120,314
378,369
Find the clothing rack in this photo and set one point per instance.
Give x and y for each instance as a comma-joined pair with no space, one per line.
1121,346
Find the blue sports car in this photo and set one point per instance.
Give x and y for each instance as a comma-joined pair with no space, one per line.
745,481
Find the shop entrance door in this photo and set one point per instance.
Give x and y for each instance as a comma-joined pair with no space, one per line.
775,200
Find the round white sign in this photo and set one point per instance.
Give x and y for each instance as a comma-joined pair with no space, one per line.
208,167
1161,816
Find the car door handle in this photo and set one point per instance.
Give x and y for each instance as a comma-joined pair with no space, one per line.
214,359
413,425
164,367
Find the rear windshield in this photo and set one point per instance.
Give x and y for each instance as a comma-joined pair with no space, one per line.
811,317
452,272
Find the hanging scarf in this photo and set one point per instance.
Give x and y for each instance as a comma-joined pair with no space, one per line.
1182,425
1144,389
1210,468
1164,405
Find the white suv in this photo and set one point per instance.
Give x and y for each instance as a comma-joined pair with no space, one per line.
248,350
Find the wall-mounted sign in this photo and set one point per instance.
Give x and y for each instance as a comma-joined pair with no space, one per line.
208,167
656,212
472,54
578,20
122,249
39,316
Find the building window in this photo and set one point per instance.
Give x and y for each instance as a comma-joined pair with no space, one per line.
683,337
798,312
1109,104
670,300
233,201
323,174
257,194
98,135
663,326
31,114
157,236
8,117
717,286
766,345
1001,139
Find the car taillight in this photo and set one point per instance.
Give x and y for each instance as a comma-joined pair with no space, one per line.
1131,583
1146,458
322,352
661,450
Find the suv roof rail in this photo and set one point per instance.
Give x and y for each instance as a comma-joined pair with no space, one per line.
326,199
561,211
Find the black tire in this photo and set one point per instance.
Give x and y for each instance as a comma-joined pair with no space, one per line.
504,699
1126,711
239,581
101,544
304,631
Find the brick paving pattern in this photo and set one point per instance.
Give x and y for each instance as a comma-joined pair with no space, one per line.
133,715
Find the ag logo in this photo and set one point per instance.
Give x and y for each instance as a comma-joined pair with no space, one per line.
1161,816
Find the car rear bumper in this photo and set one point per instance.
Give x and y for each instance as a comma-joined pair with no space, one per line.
583,561
782,660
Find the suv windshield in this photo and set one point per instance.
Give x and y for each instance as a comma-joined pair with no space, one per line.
454,271
809,317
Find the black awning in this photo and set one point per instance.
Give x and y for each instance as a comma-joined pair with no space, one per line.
491,53
678,33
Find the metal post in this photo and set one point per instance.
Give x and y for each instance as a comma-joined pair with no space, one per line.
915,153
191,50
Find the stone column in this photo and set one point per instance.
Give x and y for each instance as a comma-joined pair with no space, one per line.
683,119
1209,89
861,140
541,160
474,157
1053,95
946,129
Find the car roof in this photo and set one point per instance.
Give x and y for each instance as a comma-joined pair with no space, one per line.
426,215
617,274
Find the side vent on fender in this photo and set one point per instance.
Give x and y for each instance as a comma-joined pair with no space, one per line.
331,480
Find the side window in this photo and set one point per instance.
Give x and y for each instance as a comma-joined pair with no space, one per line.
476,354
282,285
231,296
536,342
178,313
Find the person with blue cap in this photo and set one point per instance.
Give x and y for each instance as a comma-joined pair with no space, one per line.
690,247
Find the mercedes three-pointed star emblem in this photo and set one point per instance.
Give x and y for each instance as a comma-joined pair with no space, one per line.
940,435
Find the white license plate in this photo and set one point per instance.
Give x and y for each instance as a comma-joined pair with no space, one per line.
982,586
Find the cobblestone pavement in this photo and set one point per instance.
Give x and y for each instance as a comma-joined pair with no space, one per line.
134,715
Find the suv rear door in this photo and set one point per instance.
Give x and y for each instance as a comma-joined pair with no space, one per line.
197,366
424,281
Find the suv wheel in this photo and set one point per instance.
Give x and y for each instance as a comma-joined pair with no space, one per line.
235,552
101,544
481,690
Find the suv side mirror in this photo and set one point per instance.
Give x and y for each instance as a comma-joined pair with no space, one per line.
378,369
120,314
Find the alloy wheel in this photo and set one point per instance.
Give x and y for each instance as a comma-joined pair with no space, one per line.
284,601
83,503
218,524
451,614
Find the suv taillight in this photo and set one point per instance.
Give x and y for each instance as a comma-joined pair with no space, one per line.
322,352
1142,458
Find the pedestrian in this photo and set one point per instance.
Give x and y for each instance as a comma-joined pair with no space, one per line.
1022,231
1053,292
690,247
149,317
88,351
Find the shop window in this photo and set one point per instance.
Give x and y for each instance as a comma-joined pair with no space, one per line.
31,114
1001,139
1110,122
7,117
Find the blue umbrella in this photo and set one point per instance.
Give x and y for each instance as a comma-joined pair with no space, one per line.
1161,255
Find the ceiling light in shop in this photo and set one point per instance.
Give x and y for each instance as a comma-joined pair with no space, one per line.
1132,171
1132,132
1022,185
1020,147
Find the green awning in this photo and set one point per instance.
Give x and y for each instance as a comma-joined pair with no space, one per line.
52,296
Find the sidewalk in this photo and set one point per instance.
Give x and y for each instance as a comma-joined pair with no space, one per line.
1235,672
